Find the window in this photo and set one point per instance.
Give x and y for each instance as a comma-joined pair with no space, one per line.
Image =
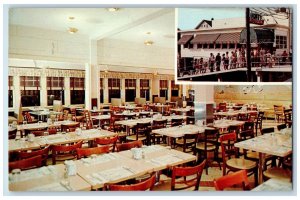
224,45
191,46
163,85
218,46
130,90
101,91
145,89
30,90
186,45
77,90
174,89
238,45
114,88
281,42
231,45
199,46
10,91
55,90
205,46
212,46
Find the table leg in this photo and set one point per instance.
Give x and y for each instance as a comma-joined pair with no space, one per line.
261,167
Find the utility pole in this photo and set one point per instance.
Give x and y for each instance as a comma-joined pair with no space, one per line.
248,45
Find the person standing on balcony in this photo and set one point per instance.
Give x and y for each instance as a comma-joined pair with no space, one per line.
284,56
211,62
218,62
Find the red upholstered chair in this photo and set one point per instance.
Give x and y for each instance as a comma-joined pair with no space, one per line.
25,164
86,152
239,177
142,186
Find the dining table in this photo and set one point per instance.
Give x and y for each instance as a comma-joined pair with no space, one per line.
276,143
96,171
233,113
55,139
274,185
40,125
121,166
47,179
130,123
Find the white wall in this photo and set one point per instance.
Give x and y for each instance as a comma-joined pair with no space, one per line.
41,44
118,53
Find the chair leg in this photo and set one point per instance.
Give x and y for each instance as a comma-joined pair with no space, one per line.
256,176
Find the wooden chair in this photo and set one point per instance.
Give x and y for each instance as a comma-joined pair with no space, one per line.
52,130
12,134
252,116
29,163
142,132
129,145
64,115
242,117
144,115
278,111
158,124
288,113
28,118
258,123
249,125
87,119
278,173
176,122
222,107
188,142
239,177
183,182
281,126
37,131
148,184
267,130
64,152
190,120
208,144
235,164
110,141
44,152
86,152
70,127
75,117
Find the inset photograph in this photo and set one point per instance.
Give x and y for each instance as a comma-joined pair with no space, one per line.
234,44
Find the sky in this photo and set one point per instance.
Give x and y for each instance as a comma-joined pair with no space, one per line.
189,18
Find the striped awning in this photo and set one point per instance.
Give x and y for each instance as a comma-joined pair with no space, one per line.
229,38
185,39
205,38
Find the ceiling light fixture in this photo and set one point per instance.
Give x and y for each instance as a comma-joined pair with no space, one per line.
148,33
148,42
113,9
72,30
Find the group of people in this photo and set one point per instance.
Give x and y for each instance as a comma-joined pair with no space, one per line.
214,63
237,59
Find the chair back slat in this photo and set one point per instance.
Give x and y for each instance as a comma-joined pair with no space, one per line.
129,145
86,152
25,164
142,186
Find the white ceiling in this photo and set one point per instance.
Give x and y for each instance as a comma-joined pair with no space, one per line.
130,24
